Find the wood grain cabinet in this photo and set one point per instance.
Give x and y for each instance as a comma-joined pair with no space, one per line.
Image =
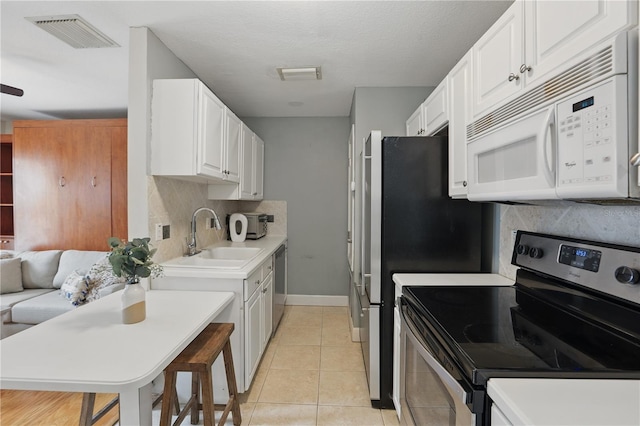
70,183
6,192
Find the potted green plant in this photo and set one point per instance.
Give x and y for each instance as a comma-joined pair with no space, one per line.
132,259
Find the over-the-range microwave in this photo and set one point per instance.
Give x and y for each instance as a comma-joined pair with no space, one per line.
573,137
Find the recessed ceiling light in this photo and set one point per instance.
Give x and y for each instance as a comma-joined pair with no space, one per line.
74,31
304,73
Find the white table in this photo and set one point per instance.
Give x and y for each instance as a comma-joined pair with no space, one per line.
90,350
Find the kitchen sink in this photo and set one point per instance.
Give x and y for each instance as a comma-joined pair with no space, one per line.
230,253
219,258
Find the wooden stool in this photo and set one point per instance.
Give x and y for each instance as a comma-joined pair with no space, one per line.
198,358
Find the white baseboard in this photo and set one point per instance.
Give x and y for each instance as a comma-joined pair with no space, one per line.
311,300
355,332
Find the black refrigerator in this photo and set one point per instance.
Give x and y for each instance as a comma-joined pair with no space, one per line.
410,225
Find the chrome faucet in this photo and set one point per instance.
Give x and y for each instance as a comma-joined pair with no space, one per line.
191,246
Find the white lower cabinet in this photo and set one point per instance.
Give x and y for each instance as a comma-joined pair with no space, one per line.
258,310
250,311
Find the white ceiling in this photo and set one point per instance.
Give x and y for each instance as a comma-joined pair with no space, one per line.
235,47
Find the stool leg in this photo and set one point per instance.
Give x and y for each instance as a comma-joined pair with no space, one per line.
169,391
208,406
86,412
231,383
195,396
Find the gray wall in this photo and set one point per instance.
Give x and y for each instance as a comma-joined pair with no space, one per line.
306,166
385,108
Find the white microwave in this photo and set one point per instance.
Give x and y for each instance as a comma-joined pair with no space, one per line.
583,145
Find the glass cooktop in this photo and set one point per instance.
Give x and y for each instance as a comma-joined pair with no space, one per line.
518,331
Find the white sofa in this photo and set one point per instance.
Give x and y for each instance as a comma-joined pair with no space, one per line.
31,286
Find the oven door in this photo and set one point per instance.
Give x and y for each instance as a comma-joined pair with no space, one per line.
429,394
515,162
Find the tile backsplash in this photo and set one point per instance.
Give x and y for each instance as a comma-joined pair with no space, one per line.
612,224
172,202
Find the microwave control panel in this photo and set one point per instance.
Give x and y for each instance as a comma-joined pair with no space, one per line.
592,141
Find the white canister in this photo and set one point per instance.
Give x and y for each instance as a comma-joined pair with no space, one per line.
238,227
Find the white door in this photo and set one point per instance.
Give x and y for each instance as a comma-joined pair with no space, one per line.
210,134
232,147
258,169
459,116
436,113
267,303
414,123
246,165
497,58
558,30
253,318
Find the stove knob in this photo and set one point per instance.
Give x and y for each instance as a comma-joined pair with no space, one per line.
535,253
627,275
522,249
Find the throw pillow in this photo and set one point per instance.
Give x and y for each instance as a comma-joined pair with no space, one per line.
101,276
75,288
10,275
39,268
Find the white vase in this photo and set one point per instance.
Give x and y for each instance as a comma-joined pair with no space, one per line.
133,302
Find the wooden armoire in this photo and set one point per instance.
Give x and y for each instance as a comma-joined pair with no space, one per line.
70,183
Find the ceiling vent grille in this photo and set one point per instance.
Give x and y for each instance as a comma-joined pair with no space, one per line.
590,69
74,31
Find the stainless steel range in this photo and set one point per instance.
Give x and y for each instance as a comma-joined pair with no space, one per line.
574,312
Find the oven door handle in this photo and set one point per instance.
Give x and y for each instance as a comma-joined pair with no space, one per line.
455,386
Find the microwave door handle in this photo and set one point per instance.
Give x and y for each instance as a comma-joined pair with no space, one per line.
547,135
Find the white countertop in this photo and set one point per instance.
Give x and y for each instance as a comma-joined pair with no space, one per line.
451,279
269,244
88,349
567,402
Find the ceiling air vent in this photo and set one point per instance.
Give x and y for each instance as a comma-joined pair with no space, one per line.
74,31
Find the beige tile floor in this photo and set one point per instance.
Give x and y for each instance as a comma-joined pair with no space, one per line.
312,374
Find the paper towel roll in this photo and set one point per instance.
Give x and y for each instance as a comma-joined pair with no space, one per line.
238,227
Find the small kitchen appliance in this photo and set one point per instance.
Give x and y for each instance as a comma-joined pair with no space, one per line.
256,225
574,312
238,227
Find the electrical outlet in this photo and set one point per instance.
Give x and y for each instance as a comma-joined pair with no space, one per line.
166,232
158,232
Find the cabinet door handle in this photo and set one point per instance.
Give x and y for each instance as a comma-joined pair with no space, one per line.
512,77
635,160
93,181
62,182
257,282
464,183
264,291
524,68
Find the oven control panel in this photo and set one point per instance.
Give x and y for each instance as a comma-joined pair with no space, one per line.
608,268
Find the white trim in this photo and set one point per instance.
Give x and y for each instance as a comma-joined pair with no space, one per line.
311,300
355,332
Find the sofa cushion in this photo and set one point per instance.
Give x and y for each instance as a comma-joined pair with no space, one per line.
10,275
102,277
75,288
76,260
39,268
11,299
41,308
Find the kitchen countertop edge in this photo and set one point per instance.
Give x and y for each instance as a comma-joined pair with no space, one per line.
269,244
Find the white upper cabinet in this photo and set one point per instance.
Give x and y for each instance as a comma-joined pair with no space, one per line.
231,152
194,136
558,30
258,168
534,39
460,98
246,165
497,57
415,124
432,115
436,114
